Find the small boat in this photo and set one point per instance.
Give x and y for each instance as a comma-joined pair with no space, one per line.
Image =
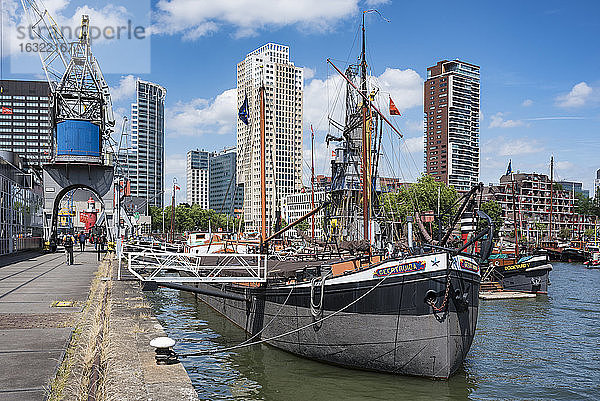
525,274
594,261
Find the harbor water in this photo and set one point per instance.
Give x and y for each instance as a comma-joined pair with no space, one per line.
540,348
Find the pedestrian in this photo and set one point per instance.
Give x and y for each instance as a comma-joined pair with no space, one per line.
82,241
68,242
99,245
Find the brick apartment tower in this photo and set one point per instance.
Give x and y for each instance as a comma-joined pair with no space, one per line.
451,107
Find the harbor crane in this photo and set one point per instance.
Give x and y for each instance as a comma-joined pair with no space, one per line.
81,120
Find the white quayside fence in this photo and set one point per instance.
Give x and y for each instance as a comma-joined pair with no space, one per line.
152,264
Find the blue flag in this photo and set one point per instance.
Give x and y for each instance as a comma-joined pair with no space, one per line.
509,169
243,112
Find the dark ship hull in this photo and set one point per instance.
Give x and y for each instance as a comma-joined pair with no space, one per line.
529,275
366,321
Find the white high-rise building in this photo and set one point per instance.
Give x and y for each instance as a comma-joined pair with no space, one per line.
597,185
269,64
143,163
197,178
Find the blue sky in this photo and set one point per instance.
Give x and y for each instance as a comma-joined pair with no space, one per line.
540,70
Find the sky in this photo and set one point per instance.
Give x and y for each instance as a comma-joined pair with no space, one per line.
540,70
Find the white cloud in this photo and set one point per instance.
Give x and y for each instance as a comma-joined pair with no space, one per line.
309,73
372,3
501,146
564,165
527,103
203,116
404,86
415,144
175,168
498,121
578,96
194,19
124,90
322,156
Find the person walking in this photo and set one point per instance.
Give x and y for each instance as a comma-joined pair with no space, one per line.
82,241
99,244
68,242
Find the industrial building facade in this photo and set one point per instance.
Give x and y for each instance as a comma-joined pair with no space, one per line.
144,162
451,112
211,181
21,205
269,65
24,120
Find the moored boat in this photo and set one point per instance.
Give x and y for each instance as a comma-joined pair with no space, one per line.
365,300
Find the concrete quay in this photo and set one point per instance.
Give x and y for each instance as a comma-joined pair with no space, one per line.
74,332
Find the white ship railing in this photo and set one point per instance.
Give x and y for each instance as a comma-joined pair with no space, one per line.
166,267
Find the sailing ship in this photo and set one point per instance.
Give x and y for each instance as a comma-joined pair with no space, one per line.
518,272
363,301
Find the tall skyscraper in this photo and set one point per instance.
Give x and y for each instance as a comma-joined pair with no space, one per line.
226,195
211,181
144,165
597,185
451,107
197,178
269,65
24,125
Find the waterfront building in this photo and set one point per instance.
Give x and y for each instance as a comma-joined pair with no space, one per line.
211,180
451,112
532,203
269,65
225,194
574,187
21,205
24,120
197,178
297,205
144,161
597,185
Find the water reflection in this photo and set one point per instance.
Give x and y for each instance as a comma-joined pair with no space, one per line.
540,348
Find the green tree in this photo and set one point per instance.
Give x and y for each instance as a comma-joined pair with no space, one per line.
420,197
564,233
494,210
583,204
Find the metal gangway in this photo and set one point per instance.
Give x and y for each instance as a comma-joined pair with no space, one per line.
152,264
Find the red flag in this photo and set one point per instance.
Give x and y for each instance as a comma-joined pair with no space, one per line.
393,109
6,110
177,187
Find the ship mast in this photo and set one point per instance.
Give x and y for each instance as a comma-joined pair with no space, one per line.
366,153
551,197
263,179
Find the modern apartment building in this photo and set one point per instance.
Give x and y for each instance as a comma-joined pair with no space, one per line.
532,203
197,184
574,187
24,120
211,181
299,204
451,107
226,195
144,163
269,65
